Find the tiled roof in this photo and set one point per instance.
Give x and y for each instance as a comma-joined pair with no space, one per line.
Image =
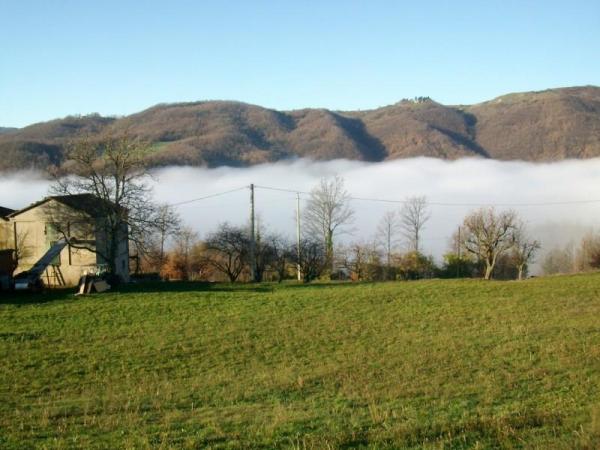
87,203
5,211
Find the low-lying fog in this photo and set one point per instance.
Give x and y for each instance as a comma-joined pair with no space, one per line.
467,182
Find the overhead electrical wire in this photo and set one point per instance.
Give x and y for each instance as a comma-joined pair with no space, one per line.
433,203
269,188
396,201
218,194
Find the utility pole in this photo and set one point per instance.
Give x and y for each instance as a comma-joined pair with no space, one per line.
458,261
298,268
389,250
252,237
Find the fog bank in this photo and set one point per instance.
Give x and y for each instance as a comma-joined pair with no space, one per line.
464,183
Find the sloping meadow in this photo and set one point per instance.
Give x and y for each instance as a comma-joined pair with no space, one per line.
428,364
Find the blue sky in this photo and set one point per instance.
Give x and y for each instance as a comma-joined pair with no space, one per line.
118,57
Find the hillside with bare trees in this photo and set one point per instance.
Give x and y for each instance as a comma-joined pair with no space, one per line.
548,125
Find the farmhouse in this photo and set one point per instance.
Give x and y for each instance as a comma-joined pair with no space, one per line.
76,219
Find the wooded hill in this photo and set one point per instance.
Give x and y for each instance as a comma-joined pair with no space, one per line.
534,126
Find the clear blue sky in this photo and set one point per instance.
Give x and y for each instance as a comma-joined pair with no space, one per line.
118,57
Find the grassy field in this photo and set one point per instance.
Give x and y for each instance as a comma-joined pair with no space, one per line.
428,364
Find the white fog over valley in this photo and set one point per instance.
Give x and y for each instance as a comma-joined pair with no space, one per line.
452,188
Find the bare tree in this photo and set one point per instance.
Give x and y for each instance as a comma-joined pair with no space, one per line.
363,261
112,170
152,254
387,233
458,262
413,217
185,241
559,260
263,253
199,264
313,259
168,223
327,212
587,255
283,252
414,265
353,257
488,234
227,250
524,249
272,253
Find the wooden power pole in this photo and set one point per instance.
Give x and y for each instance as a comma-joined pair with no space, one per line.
298,268
458,262
252,236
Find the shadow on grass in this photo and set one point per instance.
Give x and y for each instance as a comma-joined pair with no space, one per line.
50,295
192,286
204,286
327,284
30,298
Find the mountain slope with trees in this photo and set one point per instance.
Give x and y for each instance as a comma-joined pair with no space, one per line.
535,126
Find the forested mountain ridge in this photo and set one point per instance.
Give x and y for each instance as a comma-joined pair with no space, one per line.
548,125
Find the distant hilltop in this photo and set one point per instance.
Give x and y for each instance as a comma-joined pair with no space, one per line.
548,125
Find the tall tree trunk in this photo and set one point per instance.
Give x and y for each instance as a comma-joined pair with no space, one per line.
489,268
329,246
417,241
161,260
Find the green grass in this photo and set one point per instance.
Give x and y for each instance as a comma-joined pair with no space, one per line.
156,147
429,364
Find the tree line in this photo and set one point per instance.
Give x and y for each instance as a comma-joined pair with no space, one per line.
488,244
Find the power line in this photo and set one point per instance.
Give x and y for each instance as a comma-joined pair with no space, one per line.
396,201
566,202
293,191
385,200
208,196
